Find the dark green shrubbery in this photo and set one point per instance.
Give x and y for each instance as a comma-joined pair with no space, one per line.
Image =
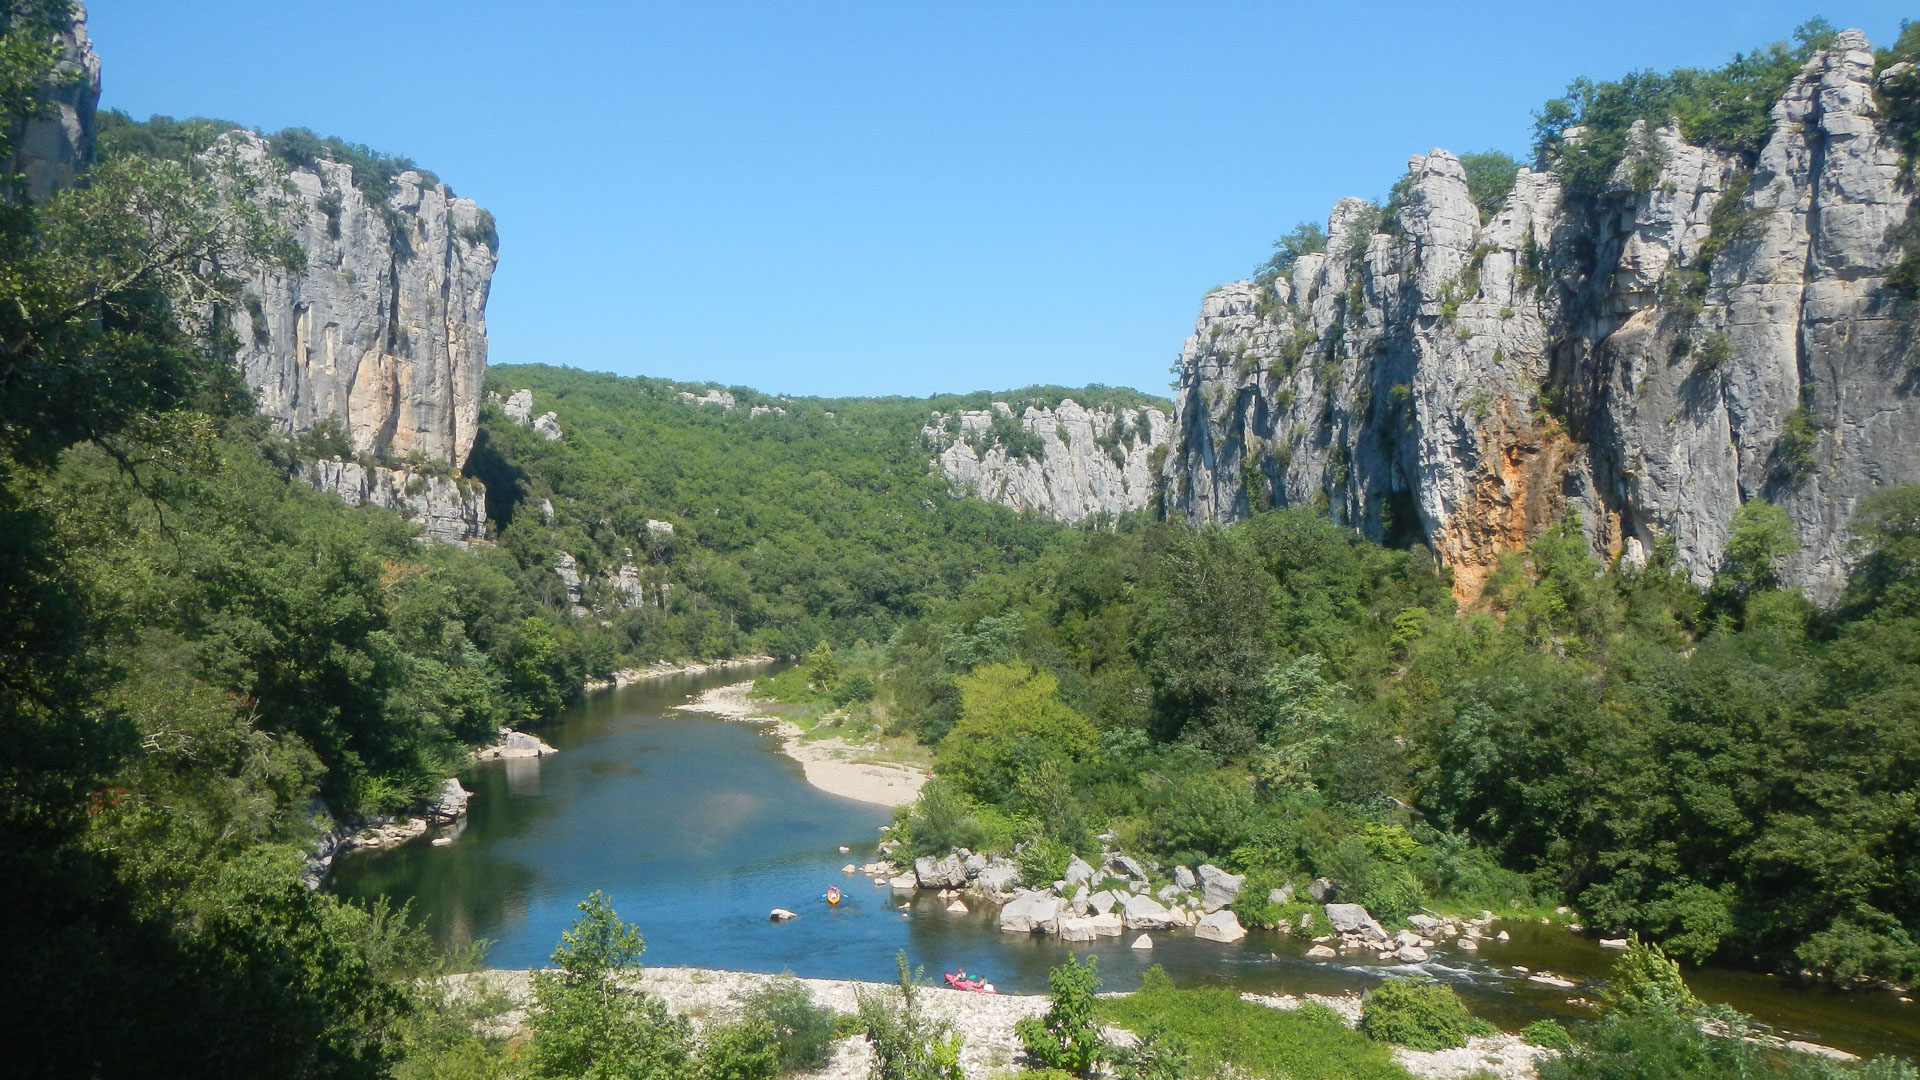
800,1033
1307,238
1419,1014
1067,1037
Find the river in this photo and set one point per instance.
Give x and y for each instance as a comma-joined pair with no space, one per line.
696,828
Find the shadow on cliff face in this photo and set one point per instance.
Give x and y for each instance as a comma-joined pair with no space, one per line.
506,482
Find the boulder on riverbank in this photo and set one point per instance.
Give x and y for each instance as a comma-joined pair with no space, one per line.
449,804
1218,888
1146,913
514,744
947,873
1030,912
1222,925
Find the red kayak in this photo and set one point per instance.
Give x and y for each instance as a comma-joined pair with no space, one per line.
959,980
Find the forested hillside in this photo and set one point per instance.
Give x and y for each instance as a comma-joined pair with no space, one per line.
1732,771
794,520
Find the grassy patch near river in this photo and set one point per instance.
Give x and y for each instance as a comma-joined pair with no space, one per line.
1225,1034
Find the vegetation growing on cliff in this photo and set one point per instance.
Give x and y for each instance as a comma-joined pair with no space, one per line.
1725,108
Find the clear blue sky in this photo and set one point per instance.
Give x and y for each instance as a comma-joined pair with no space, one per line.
902,197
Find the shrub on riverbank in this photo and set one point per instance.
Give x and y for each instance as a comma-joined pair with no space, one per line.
1221,1032
1419,1014
1067,1038
802,1032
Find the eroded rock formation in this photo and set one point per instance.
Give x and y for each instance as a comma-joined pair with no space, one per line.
1069,463
1632,355
384,330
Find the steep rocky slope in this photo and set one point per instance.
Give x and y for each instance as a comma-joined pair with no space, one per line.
382,333
50,149
379,337
1068,463
384,330
1645,355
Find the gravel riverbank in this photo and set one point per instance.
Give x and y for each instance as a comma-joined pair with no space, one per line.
829,763
986,1021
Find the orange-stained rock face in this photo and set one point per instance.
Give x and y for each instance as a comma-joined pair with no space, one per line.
1414,362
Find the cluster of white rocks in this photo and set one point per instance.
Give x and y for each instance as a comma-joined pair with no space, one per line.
514,744
447,809
451,510
518,408
1085,904
715,396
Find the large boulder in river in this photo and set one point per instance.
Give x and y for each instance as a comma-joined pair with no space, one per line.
1217,887
1030,912
1222,925
1146,913
450,803
1077,930
1109,924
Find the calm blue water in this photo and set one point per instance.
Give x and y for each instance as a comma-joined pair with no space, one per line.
697,828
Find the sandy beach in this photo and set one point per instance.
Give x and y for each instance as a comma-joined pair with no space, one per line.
830,764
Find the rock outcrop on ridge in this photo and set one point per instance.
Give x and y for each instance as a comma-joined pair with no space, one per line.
381,334
50,149
1645,356
1069,463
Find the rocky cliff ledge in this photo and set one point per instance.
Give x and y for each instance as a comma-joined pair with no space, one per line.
452,511
385,329
1069,463
1696,335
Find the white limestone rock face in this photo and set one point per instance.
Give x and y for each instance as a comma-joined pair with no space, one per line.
451,511
1397,379
384,330
49,150
1072,463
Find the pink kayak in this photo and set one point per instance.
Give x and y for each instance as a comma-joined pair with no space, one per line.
958,981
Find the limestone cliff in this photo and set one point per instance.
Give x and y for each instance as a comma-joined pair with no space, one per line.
384,330
1645,356
1069,463
51,148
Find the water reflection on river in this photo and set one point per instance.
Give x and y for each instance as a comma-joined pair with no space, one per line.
697,828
